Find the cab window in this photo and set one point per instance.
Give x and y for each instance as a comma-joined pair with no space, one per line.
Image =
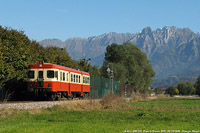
31,74
40,74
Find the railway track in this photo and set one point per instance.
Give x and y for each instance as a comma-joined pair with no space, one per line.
32,104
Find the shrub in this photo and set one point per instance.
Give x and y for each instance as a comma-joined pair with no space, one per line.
110,100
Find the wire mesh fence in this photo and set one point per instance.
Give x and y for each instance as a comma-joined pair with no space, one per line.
100,86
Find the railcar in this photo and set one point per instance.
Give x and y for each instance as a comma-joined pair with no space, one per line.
55,81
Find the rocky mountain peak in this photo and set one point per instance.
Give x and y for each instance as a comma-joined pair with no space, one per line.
171,50
147,30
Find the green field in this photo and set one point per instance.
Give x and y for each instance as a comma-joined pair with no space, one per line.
147,115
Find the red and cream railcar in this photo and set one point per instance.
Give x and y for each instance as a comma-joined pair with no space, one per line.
57,81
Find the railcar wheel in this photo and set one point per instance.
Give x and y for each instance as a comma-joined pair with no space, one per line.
53,96
86,95
58,96
71,97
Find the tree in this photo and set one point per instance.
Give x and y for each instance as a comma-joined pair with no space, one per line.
130,65
170,90
186,88
197,85
158,90
176,91
94,70
15,54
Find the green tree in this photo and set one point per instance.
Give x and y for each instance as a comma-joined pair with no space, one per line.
130,65
94,70
15,54
197,85
84,65
170,90
186,88
158,90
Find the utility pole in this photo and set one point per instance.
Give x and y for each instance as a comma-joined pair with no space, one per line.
111,75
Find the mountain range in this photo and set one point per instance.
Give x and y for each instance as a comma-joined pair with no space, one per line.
174,52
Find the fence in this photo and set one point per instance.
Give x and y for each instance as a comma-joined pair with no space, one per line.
100,86
2,94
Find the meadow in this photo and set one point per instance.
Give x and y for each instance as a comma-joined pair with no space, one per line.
115,115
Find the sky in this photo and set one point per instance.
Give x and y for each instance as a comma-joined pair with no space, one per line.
64,19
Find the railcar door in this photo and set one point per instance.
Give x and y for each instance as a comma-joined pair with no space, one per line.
60,83
81,81
40,78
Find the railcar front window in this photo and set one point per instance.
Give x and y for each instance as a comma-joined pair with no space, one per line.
40,74
31,74
50,74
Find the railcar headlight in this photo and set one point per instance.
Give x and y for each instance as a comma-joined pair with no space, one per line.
49,85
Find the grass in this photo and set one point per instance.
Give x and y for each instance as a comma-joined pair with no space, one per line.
158,114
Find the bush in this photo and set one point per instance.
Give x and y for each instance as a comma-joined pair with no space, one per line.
111,101
176,91
138,97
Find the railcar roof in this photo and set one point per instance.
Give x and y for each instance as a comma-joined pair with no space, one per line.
41,65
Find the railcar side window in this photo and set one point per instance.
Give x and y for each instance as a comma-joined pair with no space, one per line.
88,80
72,79
31,74
56,75
83,79
63,76
79,79
60,76
50,74
67,76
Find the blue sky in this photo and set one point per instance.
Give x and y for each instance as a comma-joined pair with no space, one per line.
63,19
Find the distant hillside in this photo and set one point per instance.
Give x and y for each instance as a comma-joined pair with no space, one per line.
91,47
172,51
